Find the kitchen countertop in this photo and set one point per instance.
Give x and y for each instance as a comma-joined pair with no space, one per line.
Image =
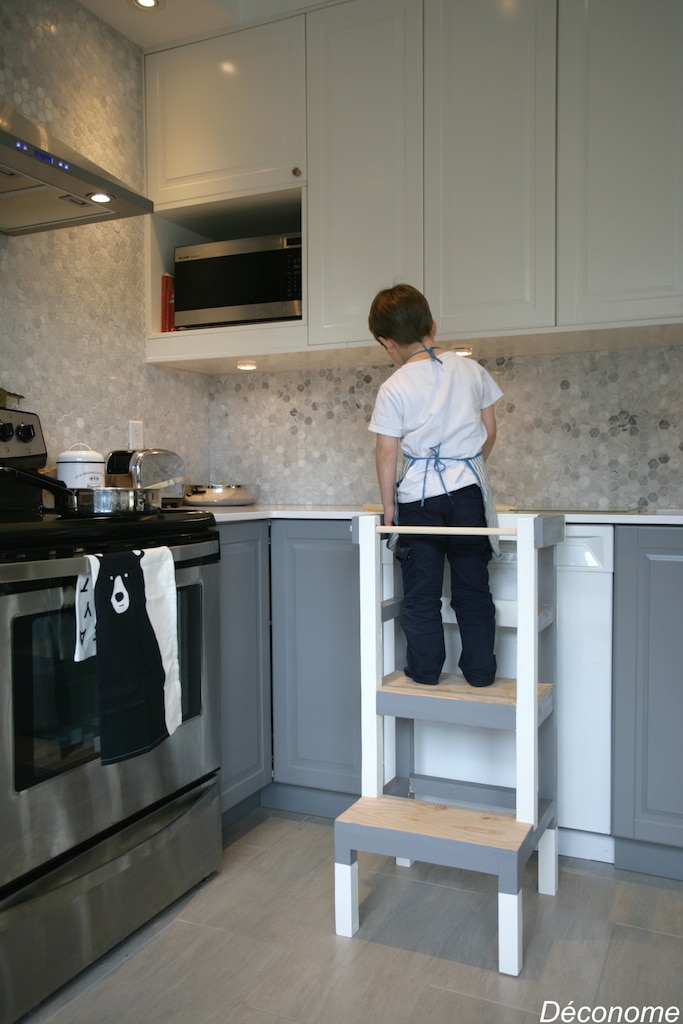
243,513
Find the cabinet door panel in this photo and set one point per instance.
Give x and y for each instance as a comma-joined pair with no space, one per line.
620,160
648,687
364,62
227,115
246,765
489,164
316,655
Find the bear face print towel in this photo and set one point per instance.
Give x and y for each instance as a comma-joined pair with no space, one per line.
127,617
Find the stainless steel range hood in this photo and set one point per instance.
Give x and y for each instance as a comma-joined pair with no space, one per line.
44,184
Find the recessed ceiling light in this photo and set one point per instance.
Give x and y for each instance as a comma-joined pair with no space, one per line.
147,5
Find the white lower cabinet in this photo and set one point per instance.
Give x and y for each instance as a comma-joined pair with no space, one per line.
620,161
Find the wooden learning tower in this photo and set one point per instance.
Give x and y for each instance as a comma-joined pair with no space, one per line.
457,823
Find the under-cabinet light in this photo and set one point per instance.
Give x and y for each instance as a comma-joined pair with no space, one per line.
246,364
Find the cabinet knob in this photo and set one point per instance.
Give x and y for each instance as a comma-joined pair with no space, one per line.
296,171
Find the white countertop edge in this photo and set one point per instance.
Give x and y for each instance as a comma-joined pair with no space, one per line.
244,513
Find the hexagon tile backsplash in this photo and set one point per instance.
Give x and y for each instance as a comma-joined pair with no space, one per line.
591,430
72,302
587,430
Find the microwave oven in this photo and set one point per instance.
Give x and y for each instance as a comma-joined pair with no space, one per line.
241,281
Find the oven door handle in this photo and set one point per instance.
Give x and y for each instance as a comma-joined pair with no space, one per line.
184,556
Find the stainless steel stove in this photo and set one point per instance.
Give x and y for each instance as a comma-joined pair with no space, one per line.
92,847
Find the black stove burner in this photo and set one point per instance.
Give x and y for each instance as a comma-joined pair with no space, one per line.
33,536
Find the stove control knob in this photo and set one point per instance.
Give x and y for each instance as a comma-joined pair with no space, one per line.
26,432
6,431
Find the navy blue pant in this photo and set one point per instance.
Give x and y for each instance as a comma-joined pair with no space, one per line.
422,566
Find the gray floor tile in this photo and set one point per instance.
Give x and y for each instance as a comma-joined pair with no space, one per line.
255,944
188,973
439,1006
642,968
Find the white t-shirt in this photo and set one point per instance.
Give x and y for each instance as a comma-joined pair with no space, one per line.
428,405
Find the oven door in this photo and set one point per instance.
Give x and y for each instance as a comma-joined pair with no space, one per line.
55,793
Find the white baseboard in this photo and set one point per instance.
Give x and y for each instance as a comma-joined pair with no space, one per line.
586,845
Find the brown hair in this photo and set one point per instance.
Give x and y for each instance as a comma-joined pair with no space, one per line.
401,313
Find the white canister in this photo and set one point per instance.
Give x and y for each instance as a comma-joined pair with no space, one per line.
81,467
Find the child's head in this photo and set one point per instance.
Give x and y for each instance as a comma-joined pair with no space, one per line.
401,313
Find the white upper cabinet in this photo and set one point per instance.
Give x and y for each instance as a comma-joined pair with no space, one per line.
490,164
620,161
226,116
365,155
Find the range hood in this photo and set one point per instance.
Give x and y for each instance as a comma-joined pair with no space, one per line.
45,185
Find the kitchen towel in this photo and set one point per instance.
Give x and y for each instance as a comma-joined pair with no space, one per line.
86,622
131,603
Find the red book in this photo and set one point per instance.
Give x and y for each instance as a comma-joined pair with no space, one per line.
167,303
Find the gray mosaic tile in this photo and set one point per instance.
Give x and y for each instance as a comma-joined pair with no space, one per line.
72,304
590,430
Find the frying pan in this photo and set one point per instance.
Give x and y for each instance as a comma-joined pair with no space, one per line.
90,501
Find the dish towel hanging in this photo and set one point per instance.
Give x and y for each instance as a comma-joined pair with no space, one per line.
126,616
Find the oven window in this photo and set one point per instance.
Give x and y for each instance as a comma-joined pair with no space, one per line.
56,700
190,649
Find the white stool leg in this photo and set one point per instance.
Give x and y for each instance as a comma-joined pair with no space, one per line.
547,862
346,898
510,932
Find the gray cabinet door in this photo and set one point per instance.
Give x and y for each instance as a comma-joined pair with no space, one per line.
315,654
648,684
245,661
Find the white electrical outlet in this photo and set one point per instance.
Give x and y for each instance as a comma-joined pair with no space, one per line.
136,434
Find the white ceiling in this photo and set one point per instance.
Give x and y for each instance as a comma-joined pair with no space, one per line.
178,20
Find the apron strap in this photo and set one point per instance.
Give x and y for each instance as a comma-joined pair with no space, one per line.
476,464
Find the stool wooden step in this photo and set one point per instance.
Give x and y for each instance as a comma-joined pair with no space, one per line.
437,822
454,700
468,838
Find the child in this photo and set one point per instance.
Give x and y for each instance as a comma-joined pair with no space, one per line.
438,408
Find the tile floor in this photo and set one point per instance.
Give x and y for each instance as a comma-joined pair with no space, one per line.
255,944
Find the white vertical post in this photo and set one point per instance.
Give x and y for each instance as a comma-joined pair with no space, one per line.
346,920
372,756
526,740
547,862
388,590
510,932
